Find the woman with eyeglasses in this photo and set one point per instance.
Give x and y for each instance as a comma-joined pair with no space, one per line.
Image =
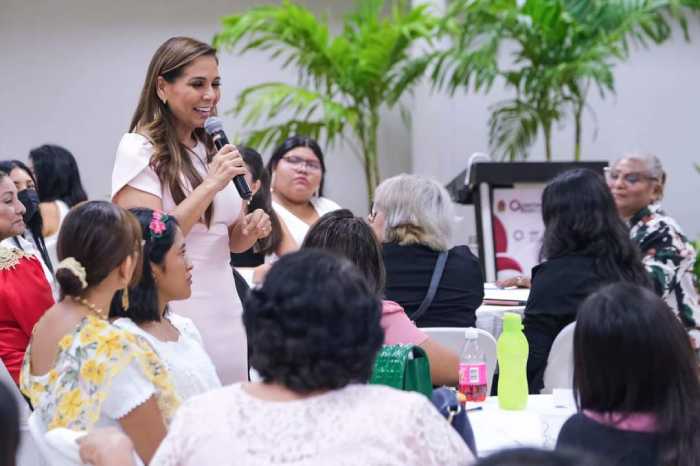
297,174
637,184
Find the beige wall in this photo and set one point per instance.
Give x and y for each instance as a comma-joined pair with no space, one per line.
72,70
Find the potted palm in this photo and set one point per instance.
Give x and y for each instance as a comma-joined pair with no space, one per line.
344,80
558,51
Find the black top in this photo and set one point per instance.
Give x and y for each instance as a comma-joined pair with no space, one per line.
247,258
560,285
460,292
618,447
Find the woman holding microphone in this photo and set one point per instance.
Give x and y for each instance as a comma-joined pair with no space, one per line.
168,162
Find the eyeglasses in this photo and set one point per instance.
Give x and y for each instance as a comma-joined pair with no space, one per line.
629,178
299,162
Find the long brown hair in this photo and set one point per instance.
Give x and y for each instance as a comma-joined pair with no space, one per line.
154,119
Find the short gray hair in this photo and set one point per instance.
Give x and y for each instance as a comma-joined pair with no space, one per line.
652,165
418,210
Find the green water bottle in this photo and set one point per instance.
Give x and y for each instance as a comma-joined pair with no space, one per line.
512,350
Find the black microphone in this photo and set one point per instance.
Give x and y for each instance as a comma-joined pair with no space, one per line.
215,128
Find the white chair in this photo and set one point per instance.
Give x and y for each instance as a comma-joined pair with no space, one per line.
559,372
453,338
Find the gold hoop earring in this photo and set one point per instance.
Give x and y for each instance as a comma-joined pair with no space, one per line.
125,298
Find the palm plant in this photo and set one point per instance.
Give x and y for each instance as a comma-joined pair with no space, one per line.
559,50
343,81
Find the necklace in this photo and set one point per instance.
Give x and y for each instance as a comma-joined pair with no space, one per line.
97,310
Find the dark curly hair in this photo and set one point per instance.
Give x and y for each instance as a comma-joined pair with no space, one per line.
143,297
314,324
581,219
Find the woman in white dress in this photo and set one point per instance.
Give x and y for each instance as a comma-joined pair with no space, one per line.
166,276
314,332
168,162
59,188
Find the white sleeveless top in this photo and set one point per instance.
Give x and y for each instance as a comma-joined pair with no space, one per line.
189,366
52,240
296,226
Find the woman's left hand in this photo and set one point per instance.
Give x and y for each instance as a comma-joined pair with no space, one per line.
257,223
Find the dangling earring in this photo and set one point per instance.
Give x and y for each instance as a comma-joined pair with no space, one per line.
125,298
272,183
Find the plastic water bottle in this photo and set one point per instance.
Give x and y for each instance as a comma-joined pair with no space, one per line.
472,368
512,350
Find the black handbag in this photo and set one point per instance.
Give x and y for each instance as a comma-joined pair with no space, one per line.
445,400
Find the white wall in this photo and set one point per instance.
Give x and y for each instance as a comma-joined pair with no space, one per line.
72,71
656,109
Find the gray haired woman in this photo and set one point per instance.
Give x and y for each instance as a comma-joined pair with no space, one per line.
413,216
637,183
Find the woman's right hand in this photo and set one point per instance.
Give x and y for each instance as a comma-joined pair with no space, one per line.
519,282
226,164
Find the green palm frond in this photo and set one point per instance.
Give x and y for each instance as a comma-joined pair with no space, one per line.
513,127
343,80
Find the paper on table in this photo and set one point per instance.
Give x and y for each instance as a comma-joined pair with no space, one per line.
516,296
495,429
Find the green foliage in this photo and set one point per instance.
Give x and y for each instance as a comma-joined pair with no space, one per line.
550,53
343,80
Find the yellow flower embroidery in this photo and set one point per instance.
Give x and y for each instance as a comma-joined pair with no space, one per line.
66,342
88,335
110,345
70,405
53,376
93,372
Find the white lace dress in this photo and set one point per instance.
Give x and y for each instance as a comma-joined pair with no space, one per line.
189,366
358,425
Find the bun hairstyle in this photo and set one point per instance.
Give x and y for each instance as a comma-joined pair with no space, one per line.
158,230
99,235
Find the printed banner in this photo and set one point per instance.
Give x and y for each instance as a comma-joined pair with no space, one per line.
517,229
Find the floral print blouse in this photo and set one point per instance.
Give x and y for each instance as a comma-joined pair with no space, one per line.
669,258
89,359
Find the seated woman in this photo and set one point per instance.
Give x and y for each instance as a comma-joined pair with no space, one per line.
297,174
24,292
637,382
32,239
637,184
342,233
166,276
59,188
80,371
585,245
314,332
413,217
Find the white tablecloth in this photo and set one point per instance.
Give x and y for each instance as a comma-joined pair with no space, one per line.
538,425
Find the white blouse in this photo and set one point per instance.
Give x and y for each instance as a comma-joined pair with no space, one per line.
357,425
296,226
190,367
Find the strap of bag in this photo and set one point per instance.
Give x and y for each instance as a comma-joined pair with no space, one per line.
432,289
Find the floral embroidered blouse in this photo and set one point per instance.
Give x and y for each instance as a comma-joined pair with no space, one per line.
669,258
94,362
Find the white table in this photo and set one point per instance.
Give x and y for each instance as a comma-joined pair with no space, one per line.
490,317
538,425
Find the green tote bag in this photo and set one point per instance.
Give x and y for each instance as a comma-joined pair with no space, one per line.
405,367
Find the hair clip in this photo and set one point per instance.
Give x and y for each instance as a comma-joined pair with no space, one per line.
70,263
158,224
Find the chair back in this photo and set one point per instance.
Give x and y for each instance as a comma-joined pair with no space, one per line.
559,372
453,338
